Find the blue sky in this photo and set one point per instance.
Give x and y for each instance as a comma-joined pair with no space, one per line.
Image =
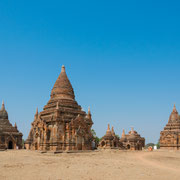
122,58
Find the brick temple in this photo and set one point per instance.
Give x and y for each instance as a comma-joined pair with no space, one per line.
62,125
170,136
10,137
130,141
110,140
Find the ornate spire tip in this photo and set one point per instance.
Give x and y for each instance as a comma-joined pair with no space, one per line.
174,108
89,110
108,127
63,68
36,110
3,106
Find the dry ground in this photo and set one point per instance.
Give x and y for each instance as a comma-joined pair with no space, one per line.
104,165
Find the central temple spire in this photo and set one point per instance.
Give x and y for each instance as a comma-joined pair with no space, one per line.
3,106
63,69
62,88
174,108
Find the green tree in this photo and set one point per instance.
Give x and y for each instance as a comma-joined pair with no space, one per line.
96,139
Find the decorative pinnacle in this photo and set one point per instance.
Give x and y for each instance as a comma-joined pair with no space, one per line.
15,125
174,108
123,133
36,111
108,127
89,111
3,106
63,68
112,129
132,129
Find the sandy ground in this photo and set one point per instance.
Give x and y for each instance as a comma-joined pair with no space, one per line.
103,165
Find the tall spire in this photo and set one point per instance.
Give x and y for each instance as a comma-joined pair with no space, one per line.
89,111
174,117
108,132
36,111
112,131
63,70
132,130
3,106
62,88
123,133
174,108
108,129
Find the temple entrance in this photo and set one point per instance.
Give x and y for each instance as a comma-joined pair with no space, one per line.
79,143
128,146
138,147
79,146
115,144
103,144
48,135
10,145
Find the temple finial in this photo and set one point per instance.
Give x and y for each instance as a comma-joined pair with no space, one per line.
132,129
123,133
15,125
112,129
36,111
63,69
108,127
3,106
174,108
89,110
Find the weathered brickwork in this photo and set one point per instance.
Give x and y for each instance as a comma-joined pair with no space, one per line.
131,141
170,136
10,137
62,125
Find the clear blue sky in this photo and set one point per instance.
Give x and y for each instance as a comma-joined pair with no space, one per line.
122,58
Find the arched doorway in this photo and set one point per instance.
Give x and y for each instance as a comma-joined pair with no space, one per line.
138,147
103,144
48,135
10,145
79,143
128,146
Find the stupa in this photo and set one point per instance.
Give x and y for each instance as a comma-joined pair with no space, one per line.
10,137
62,125
110,140
132,140
170,136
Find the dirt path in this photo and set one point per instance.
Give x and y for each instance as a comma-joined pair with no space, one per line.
105,165
148,160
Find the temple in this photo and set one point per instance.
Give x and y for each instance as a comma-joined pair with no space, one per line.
62,125
170,136
131,141
110,140
10,137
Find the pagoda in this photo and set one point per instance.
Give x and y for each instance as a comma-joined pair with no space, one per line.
170,136
110,140
62,125
132,140
10,137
